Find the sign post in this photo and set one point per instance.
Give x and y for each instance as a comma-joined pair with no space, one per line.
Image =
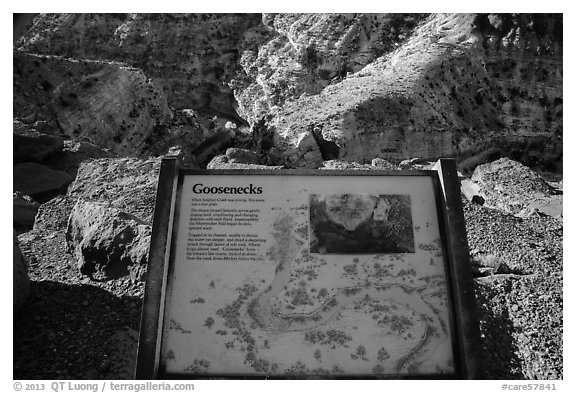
291,274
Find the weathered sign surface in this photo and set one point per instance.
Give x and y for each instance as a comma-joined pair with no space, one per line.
304,275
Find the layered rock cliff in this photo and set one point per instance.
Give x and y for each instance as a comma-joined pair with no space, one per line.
300,54
452,89
354,87
109,104
190,55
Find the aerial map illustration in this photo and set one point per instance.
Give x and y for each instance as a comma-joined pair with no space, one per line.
343,284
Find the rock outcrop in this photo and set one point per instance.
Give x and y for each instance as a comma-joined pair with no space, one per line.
353,87
53,215
291,55
128,184
109,104
106,216
513,188
221,162
449,90
191,55
44,165
243,156
520,302
106,242
377,164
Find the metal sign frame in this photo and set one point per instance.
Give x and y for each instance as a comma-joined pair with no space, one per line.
463,319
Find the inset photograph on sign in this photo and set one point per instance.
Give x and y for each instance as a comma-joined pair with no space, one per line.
360,224
298,276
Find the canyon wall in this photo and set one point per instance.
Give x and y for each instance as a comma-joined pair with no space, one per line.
191,56
449,90
315,87
111,105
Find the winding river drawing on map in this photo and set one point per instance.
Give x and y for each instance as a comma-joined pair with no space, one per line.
354,290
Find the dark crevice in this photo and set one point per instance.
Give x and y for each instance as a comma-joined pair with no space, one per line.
262,136
328,149
212,146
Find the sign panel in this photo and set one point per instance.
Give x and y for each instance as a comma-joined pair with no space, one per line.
277,275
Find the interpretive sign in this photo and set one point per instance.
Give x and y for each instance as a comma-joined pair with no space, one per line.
291,274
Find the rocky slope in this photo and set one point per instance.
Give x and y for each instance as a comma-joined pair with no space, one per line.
192,71
98,99
300,54
111,105
331,86
78,324
517,264
440,93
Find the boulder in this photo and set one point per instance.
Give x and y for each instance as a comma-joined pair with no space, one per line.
128,184
471,191
223,162
21,281
299,149
241,156
53,215
24,210
513,188
343,165
417,164
31,145
377,164
551,206
107,242
39,181
382,164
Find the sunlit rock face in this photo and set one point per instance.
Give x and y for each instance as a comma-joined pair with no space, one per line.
351,87
291,55
460,85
